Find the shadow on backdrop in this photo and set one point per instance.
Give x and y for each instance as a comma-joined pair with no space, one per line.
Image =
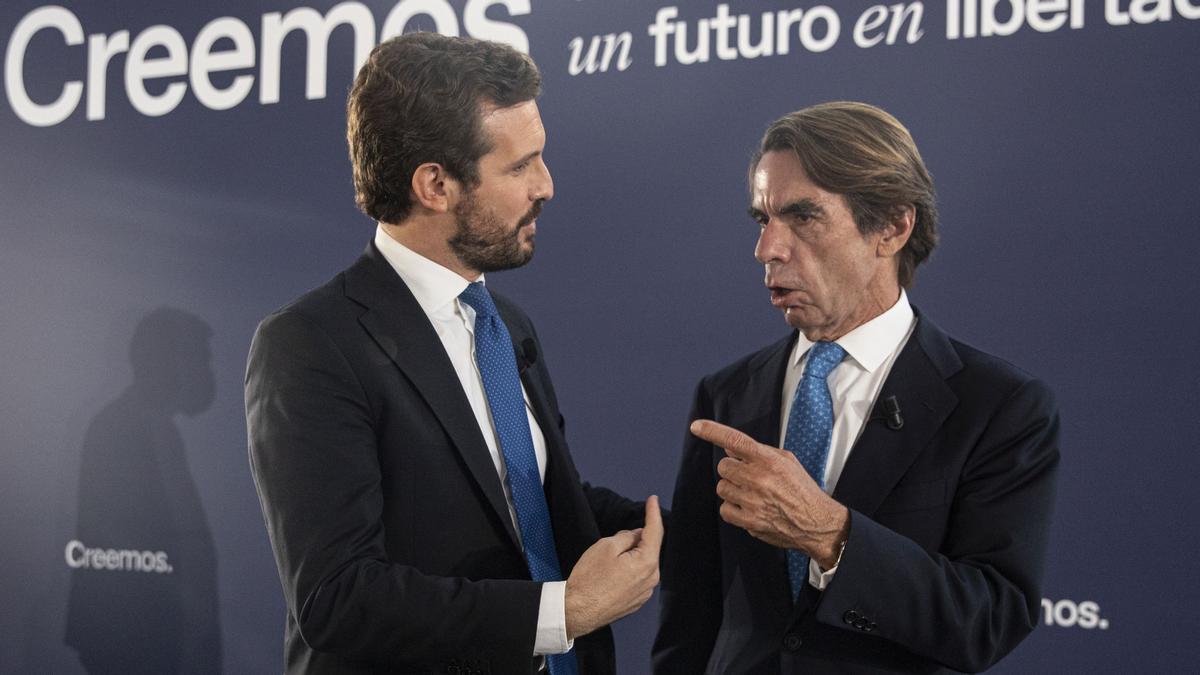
143,595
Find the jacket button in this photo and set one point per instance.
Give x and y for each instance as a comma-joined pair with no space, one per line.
850,617
792,642
870,626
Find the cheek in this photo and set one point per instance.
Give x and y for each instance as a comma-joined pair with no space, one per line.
844,289
820,272
515,209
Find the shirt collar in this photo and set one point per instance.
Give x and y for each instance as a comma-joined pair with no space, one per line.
435,287
871,343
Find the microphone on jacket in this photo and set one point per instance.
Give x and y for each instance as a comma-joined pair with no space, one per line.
526,354
891,409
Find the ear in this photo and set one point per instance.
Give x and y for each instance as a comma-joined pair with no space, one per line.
433,188
896,233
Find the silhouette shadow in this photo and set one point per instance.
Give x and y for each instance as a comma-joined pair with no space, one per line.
143,595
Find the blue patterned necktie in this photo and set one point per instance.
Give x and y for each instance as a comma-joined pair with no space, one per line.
502,384
809,428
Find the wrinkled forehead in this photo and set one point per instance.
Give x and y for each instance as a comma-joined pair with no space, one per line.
779,179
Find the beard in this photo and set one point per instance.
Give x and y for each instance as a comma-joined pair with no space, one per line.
482,242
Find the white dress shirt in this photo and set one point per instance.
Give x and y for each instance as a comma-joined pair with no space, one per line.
854,384
436,289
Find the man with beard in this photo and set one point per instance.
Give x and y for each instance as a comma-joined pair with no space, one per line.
404,435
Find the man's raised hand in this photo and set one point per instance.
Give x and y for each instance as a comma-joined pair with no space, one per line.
766,491
615,576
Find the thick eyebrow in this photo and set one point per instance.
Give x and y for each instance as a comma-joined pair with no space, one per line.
801,207
524,159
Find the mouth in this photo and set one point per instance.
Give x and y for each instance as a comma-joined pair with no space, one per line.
782,297
526,232
530,219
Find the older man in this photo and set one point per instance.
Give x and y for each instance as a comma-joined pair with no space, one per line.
903,525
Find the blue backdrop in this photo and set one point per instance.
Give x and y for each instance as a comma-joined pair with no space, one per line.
170,174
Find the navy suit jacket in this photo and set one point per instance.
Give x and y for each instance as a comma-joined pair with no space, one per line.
948,528
388,521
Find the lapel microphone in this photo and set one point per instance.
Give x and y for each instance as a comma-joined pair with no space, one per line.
526,355
891,411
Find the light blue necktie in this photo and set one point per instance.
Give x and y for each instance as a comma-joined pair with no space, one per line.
809,428
502,384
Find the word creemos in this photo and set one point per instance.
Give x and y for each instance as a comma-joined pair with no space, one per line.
223,45
80,556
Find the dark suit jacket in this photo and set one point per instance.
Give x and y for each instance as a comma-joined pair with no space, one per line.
388,520
948,527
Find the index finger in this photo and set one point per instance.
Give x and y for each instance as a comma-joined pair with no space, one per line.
652,531
736,443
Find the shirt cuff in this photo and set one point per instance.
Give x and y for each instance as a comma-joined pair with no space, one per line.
551,635
818,578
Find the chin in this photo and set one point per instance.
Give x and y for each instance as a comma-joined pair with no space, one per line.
794,316
805,324
524,255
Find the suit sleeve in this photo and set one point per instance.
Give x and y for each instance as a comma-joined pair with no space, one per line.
968,604
613,512
690,613
314,457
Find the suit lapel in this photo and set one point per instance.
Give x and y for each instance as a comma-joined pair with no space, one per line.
569,511
763,396
400,327
882,455
762,567
539,400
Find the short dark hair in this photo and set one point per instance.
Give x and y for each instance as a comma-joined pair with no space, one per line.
419,98
867,156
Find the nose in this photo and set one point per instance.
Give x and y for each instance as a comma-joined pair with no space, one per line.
772,243
543,187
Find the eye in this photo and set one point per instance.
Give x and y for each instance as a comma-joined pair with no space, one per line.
803,218
801,213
